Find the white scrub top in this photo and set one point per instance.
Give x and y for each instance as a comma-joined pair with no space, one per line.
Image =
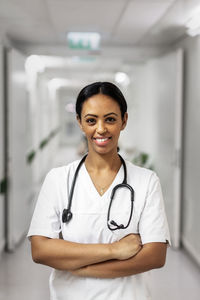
89,225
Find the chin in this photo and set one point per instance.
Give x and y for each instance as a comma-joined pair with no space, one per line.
104,151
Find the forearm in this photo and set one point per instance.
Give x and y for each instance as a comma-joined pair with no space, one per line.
151,256
64,255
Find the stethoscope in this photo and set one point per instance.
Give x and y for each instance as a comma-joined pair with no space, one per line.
112,225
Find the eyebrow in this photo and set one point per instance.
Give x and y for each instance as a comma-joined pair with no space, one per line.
92,115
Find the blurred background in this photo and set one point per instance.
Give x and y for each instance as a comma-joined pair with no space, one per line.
49,50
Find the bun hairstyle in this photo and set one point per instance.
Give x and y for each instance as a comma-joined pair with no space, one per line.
104,88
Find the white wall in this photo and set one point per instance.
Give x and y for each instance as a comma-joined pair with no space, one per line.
32,119
2,221
191,161
43,115
70,132
134,96
18,170
152,117
48,122
145,109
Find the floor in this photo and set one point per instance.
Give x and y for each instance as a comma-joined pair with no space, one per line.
21,279
178,280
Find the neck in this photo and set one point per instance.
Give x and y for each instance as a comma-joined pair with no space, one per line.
100,162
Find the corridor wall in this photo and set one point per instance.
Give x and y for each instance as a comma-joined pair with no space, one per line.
191,161
47,116
145,112
18,195
44,126
70,132
134,96
2,177
155,89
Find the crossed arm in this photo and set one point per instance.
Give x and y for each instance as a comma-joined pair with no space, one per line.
123,258
151,256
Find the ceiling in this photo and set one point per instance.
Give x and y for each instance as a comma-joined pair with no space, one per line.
43,24
131,30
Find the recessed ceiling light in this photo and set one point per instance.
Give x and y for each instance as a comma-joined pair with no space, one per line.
57,83
34,63
122,78
193,23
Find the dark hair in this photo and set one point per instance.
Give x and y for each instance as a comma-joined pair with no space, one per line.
105,88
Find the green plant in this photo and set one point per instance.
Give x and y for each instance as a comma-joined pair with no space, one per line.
143,160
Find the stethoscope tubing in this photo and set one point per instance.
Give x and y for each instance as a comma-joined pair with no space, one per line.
112,222
67,214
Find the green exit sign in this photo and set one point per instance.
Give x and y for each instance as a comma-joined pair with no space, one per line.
83,40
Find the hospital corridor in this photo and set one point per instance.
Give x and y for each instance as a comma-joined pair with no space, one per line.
49,51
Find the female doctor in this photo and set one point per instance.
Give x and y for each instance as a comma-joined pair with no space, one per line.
98,240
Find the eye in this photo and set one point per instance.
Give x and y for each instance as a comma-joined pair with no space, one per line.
110,120
91,121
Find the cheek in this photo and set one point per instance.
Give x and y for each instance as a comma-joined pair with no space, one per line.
117,131
87,131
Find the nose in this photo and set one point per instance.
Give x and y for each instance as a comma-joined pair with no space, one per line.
101,128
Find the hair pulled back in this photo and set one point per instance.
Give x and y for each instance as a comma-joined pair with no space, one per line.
105,88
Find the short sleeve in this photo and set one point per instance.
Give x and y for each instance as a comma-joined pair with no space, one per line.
45,220
153,225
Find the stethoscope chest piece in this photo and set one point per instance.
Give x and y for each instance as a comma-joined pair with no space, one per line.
66,215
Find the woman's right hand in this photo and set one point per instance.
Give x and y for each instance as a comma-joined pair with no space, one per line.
127,247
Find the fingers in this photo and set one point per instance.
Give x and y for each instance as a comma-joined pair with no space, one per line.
132,236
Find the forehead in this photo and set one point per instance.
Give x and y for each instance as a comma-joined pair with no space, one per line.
100,103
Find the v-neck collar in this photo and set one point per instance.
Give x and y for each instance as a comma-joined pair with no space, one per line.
113,183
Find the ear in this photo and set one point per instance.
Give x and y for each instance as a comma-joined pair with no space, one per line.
79,122
124,121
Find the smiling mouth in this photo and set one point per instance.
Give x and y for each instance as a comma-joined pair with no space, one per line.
102,139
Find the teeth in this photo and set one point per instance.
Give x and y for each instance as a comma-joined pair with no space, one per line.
102,140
